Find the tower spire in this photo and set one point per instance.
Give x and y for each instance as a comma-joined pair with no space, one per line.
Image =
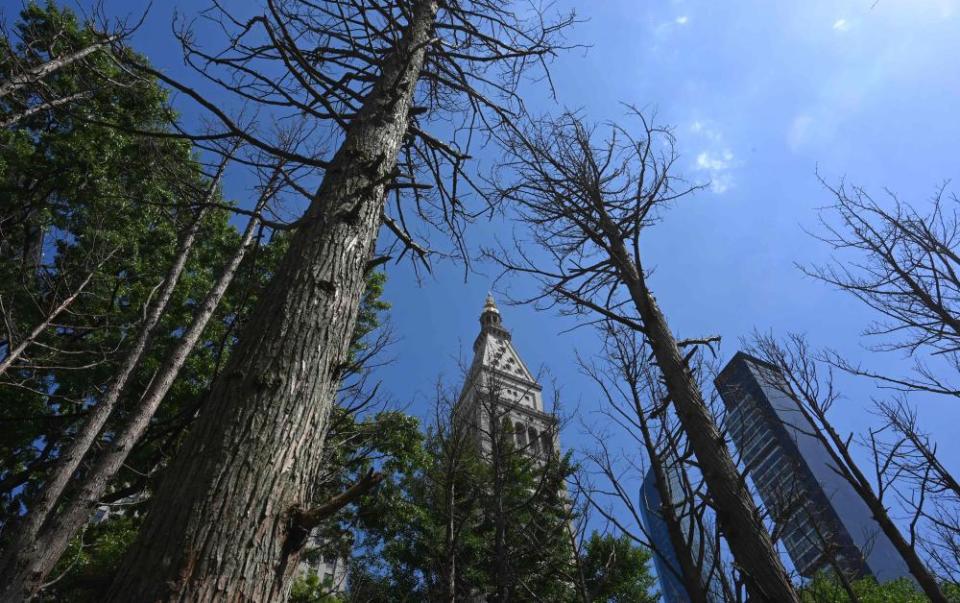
489,305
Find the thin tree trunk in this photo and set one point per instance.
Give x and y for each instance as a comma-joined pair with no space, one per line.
50,544
501,566
852,473
41,71
40,328
690,572
220,524
749,541
581,580
450,567
918,569
24,550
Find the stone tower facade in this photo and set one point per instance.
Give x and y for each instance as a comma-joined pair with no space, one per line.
500,390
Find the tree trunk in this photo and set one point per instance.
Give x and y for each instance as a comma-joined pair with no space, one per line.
25,552
220,522
52,541
752,548
749,541
921,574
690,572
40,328
450,563
41,71
852,473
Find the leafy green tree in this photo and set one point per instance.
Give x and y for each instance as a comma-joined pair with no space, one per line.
617,571
92,215
79,200
462,525
825,588
312,589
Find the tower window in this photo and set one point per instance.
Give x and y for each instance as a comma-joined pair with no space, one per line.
534,441
546,442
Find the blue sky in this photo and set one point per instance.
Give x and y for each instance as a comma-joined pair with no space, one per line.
762,95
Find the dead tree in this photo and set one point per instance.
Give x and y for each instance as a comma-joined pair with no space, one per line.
365,78
587,204
924,485
634,401
815,394
903,263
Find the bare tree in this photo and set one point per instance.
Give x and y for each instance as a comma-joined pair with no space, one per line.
925,485
588,204
815,394
635,402
904,264
361,79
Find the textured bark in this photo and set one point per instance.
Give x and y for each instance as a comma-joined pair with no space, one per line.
749,542
48,546
220,521
23,554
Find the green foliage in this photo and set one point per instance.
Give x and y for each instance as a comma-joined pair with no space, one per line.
513,509
617,571
311,589
85,569
369,318
825,588
78,198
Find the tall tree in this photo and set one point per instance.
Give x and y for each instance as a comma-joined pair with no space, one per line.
634,402
81,204
472,521
588,205
222,520
89,204
903,262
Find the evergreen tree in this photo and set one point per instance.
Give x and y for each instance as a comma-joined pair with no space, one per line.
83,202
617,571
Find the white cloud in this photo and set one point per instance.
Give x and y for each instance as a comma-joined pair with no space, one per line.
681,20
717,165
714,162
841,25
716,159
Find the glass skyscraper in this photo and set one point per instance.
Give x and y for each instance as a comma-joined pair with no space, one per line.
822,521
665,556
